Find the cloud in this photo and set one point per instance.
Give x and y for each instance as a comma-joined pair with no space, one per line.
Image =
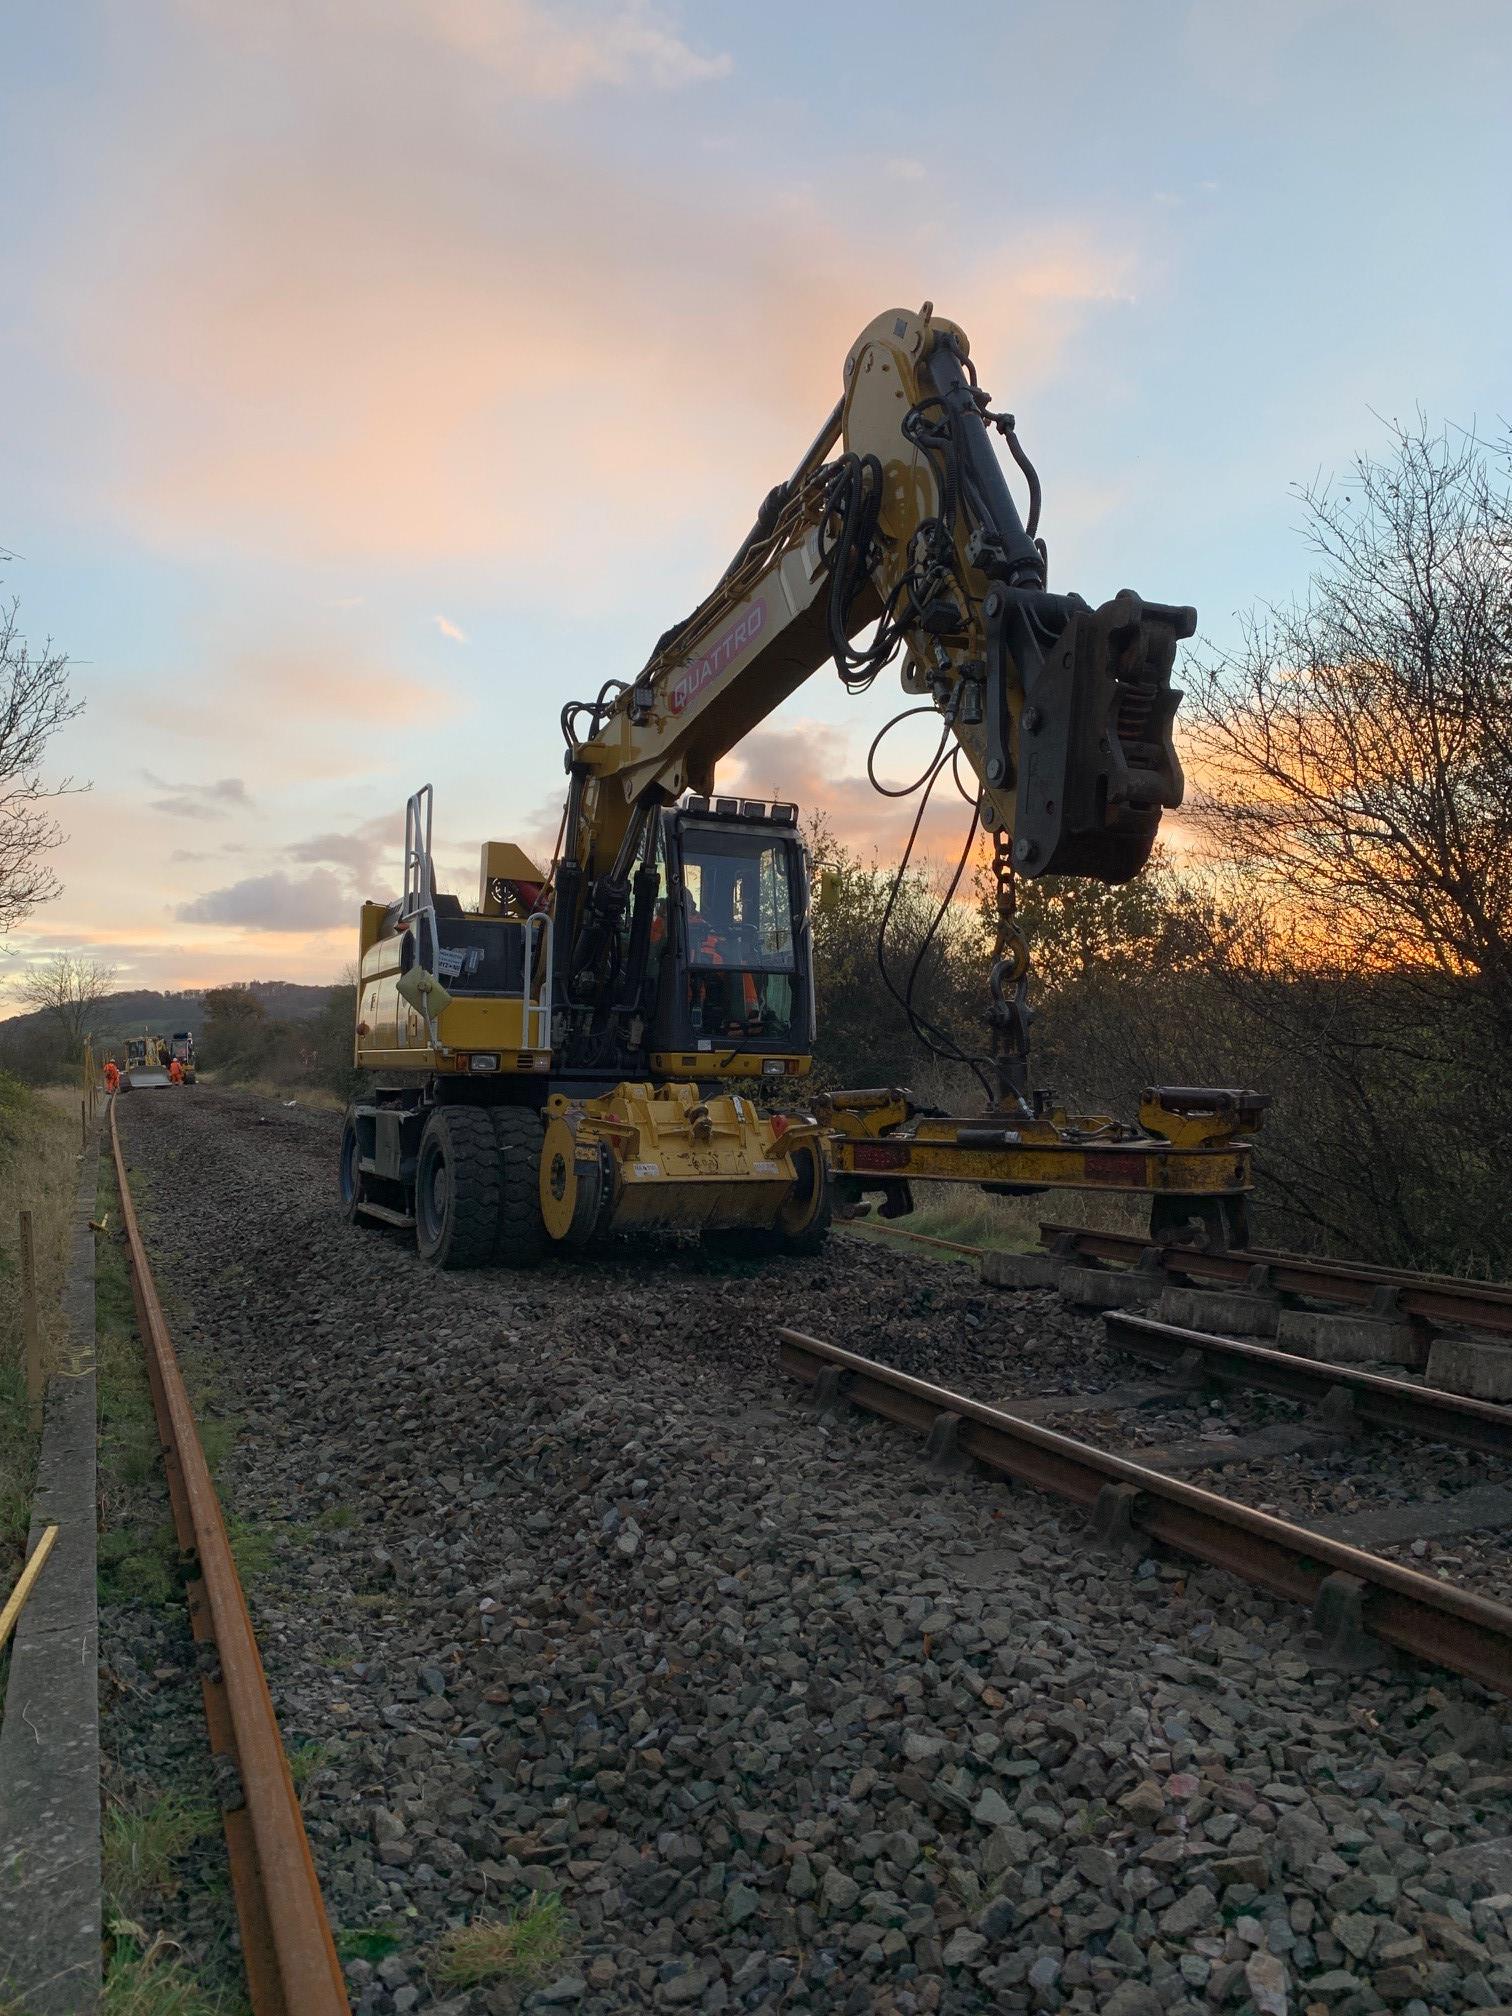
449,629
360,853
199,801
276,902
369,343
558,51
812,764
192,854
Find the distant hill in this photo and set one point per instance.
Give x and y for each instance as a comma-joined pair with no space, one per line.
136,1010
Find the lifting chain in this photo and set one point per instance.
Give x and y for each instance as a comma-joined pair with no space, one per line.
1008,1015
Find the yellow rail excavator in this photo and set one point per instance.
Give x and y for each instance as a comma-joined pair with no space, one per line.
564,1058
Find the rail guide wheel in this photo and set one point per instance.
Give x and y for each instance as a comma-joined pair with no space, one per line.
576,1185
803,1222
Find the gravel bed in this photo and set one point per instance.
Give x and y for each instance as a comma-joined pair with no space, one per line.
574,1595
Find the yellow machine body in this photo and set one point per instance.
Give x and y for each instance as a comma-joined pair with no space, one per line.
525,1045
474,1034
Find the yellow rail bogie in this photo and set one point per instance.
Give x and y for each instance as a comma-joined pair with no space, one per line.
666,1155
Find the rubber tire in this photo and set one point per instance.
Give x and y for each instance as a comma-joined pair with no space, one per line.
520,1231
462,1139
348,1178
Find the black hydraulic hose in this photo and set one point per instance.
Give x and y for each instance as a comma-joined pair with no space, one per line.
981,467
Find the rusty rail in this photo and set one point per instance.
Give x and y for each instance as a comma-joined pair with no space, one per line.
1374,1400
903,1232
291,1963
1435,1621
1435,1298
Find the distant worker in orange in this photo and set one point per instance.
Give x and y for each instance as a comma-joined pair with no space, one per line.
112,1075
176,1072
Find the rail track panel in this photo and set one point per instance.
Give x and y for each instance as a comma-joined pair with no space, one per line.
1439,1300
1347,1589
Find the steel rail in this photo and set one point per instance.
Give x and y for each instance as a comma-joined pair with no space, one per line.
287,1949
1435,1298
1380,1402
1435,1621
902,1232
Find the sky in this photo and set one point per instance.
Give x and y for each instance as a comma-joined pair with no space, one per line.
376,375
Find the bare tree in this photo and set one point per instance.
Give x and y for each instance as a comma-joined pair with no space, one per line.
34,703
1354,765
69,989
1355,754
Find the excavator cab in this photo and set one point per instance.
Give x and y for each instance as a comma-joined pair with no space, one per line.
730,960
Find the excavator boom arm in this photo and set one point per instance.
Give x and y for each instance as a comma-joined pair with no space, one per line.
1063,711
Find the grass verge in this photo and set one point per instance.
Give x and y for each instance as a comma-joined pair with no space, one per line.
142,1844
1010,1224
39,1172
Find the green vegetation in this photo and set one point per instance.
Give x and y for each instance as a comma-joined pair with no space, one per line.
522,1946
367,1942
144,1978
305,1759
137,1547
38,1173
312,1058
254,1547
142,1844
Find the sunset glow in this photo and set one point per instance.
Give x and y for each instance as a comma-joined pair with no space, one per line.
381,377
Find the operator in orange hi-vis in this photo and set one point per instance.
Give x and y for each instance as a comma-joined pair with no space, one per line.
176,1072
112,1075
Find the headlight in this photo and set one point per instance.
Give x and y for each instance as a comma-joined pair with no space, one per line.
484,1061
773,1067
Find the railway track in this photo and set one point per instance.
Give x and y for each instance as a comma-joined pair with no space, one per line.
1338,1401
1440,1300
1351,1593
287,1949
541,1578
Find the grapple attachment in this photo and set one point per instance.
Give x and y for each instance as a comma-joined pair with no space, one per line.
1095,762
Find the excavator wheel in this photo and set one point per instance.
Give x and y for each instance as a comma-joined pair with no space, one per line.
520,1236
349,1177
457,1184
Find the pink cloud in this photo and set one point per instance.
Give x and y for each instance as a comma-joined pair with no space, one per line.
372,344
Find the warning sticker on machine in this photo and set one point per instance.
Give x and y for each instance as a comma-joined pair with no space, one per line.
647,1169
719,657
763,1168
